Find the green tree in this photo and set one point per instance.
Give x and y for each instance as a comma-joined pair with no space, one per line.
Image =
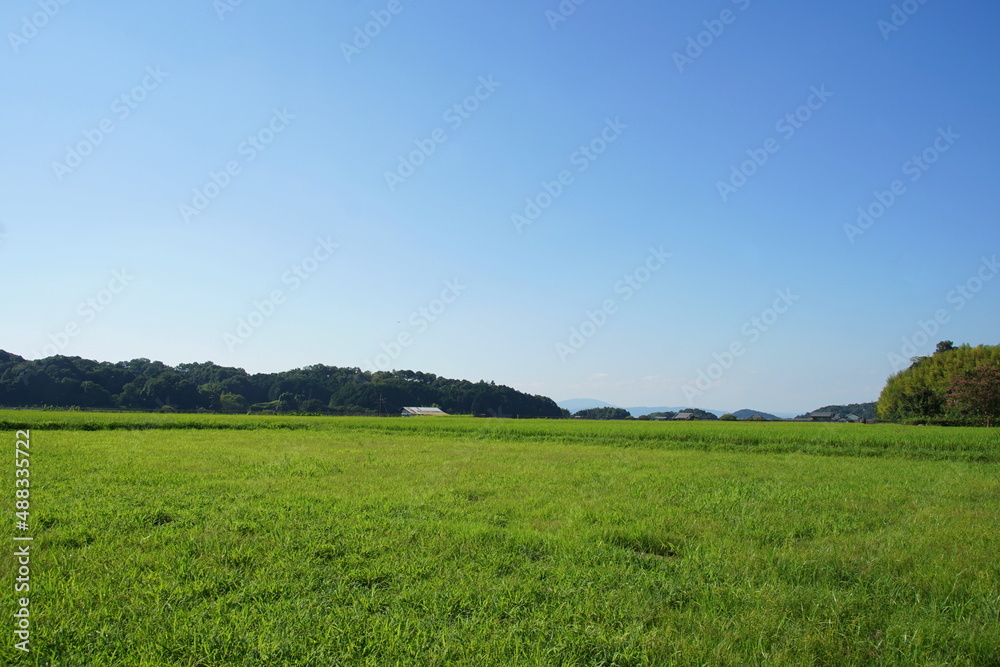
944,346
728,417
312,406
95,396
703,415
976,393
603,413
286,403
232,403
920,392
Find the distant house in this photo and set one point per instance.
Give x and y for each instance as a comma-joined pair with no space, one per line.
849,419
423,412
822,416
685,416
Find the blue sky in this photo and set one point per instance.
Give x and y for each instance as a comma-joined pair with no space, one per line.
208,181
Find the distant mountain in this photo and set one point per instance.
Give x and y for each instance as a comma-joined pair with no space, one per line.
747,414
574,405
638,412
863,410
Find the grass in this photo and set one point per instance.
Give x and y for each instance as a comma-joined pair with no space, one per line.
934,443
481,542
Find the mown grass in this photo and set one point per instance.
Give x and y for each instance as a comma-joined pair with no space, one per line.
381,542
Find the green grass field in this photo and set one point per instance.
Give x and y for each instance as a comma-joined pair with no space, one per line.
190,540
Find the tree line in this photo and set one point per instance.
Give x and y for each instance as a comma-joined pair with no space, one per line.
609,413
956,385
141,384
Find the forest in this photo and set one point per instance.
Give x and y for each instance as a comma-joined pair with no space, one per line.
141,384
954,386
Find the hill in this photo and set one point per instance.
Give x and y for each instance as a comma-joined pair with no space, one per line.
574,405
603,413
747,414
141,384
703,415
863,410
638,412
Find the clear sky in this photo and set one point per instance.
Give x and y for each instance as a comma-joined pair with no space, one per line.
626,193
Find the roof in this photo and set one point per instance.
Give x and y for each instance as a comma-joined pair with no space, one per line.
685,415
426,412
823,415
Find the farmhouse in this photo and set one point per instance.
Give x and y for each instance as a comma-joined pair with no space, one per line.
423,412
686,416
822,416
